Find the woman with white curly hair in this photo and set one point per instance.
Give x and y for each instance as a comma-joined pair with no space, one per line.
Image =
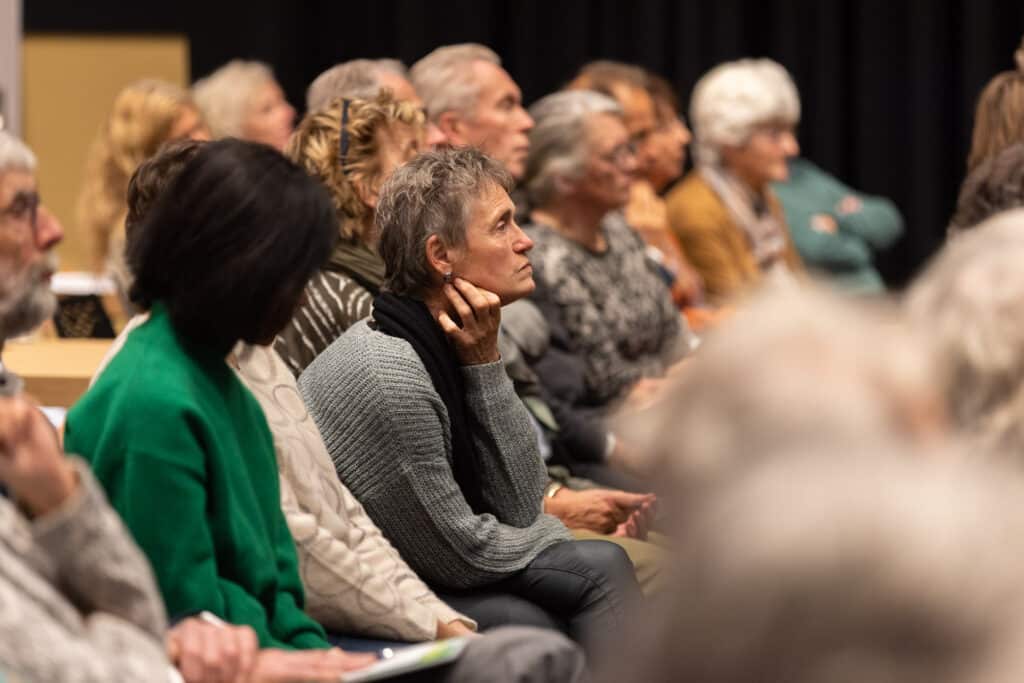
744,116
242,99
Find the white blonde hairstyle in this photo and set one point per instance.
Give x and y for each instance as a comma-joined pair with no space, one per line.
224,96
971,301
15,154
732,99
445,80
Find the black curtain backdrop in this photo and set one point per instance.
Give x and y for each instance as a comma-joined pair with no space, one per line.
888,86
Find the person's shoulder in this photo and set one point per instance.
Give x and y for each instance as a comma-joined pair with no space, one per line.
365,360
694,205
691,189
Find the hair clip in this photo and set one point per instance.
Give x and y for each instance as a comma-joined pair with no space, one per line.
343,137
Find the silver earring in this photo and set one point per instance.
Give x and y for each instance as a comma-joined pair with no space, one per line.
448,277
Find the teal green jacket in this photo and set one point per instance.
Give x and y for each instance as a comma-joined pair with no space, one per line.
845,256
186,457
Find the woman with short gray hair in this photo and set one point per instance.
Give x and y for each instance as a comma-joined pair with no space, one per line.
593,274
424,426
730,224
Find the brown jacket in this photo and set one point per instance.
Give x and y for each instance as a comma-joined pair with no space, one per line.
713,243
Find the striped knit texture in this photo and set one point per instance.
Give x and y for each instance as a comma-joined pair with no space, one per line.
333,302
387,432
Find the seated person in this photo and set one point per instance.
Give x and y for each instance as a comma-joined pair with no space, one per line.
379,135
836,229
422,422
594,278
355,581
724,212
242,99
145,115
660,137
180,445
80,601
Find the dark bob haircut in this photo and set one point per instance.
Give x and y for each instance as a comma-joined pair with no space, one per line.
230,244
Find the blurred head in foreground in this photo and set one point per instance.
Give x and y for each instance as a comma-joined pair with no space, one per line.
869,567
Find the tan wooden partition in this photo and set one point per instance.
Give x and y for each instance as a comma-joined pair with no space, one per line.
69,83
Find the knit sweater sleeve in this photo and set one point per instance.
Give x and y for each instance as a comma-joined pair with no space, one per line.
98,565
79,602
514,475
387,432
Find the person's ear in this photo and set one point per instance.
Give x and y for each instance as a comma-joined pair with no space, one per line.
440,257
452,125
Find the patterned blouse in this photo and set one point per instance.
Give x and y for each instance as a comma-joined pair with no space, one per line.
615,307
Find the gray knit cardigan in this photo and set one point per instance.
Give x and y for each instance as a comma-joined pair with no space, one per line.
388,433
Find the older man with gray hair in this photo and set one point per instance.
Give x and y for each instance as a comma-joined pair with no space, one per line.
364,79
475,103
55,512
360,79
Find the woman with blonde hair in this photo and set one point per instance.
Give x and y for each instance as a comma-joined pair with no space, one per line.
242,99
999,117
145,115
351,147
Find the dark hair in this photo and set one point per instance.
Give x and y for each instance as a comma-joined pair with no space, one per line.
662,92
996,185
230,244
153,176
604,75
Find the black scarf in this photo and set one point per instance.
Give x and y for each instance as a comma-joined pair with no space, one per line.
410,319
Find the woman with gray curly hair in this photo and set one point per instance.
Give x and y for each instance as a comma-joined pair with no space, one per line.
732,228
594,278
425,427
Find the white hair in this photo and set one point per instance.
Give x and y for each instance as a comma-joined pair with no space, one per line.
26,299
15,154
795,366
356,79
869,567
732,99
971,301
223,97
557,139
445,81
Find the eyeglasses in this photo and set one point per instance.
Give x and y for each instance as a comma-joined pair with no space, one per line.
24,207
343,136
620,154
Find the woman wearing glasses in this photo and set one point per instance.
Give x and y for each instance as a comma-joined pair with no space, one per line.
351,147
732,228
593,275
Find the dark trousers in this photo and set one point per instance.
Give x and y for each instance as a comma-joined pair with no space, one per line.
583,588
